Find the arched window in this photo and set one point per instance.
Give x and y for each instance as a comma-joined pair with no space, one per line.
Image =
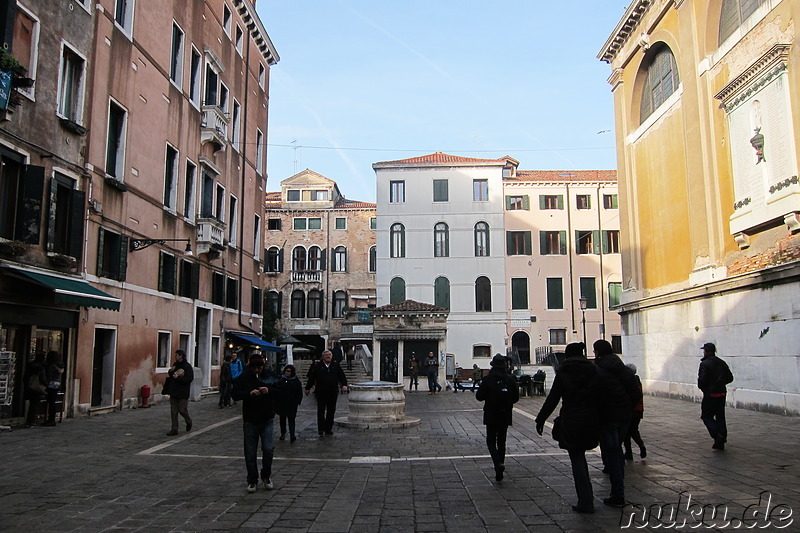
314,258
373,259
481,239
339,303
441,292
273,263
733,15
273,304
299,259
397,290
314,304
397,240
483,294
339,259
298,304
441,240
661,81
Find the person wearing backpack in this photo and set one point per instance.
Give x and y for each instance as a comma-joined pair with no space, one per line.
712,377
499,390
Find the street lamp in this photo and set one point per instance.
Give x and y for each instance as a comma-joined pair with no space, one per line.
584,302
141,244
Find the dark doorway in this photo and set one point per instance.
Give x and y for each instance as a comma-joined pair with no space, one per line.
522,342
389,361
103,367
420,349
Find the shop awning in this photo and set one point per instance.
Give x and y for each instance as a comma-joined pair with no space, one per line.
250,339
72,291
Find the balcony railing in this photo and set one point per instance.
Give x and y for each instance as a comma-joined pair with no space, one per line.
214,126
306,276
210,235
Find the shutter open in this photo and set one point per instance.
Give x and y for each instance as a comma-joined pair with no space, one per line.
123,258
76,215
100,247
29,217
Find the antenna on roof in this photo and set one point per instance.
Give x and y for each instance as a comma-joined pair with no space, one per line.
294,149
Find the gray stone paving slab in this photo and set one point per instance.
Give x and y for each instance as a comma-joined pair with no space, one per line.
119,472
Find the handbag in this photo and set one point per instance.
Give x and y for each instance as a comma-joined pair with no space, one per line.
36,385
167,385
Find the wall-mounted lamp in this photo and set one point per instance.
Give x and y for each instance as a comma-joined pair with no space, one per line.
141,244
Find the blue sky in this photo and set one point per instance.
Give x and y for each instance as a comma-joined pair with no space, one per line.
363,81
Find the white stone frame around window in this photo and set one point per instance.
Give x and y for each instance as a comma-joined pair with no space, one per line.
80,92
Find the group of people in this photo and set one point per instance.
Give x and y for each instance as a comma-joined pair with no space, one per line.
431,368
601,404
43,381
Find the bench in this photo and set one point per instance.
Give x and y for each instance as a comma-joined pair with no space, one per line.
462,380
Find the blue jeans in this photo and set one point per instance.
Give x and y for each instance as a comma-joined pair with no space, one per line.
611,436
433,382
253,432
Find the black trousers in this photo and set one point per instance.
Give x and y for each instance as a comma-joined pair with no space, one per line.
496,442
326,410
712,412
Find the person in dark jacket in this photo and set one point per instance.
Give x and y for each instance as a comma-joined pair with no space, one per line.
180,375
291,396
35,388
325,377
413,373
619,392
259,389
225,382
712,377
54,370
500,392
633,429
576,386
432,369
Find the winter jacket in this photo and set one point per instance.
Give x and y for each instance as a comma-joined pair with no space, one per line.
500,392
258,409
431,365
576,385
619,392
225,375
236,368
181,383
713,375
326,379
291,396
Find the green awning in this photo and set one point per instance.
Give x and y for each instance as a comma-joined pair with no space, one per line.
73,291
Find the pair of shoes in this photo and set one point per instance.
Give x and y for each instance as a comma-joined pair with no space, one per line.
292,438
282,437
222,407
172,433
320,434
329,432
498,472
267,483
628,455
718,445
581,509
252,487
431,392
49,423
643,452
614,501
188,426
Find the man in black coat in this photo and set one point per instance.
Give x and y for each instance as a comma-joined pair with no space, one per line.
712,377
259,389
619,392
500,392
325,377
180,382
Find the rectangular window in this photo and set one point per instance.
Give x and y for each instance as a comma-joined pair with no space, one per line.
611,241
257,244
589,292
259,151
190,192
235,125
226,20
189,286
25,43
65,230
300,224
315,195
217,288
171,179
167,273
233,221
115,142
551,201
215,344
610,201
112,255
519,243
71,85
123,15
183,344
341,223
194,77
614,293
373,222
223,98
176,56
397,192
232,293
587,242
255,301
583,201
274,224
616,344
219,212
480,190
262,75
211,96
440,192
293,195
519,293
207,196
164,348
314,223
553,242
558,336
518,203
555,293
239,39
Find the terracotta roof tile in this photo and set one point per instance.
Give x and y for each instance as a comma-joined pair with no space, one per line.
564,175
344,203
410,305
440,158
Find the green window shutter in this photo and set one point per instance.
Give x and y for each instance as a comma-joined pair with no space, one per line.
77,210
561,201
589,201
51,226
555,297
542,243
562,238
526,202
528,245
194,289
604,241
100,245
122,275
596,241
542,203
174,281
519,293
161,271
615,201
614,293
589,292
29,217
577,242
509,243
508,203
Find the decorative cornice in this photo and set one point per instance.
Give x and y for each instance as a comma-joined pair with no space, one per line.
772,63
615,80
247,10
625,28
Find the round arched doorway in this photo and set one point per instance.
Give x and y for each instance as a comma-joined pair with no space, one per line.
522,342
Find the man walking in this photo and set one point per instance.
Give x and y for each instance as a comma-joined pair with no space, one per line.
180,380
500,392
712,377
432,368
258,388
236,367
325,377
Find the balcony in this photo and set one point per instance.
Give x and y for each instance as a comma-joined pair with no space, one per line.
306,276
210,236
214,127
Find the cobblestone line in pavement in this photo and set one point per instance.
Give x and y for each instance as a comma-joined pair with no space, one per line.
119,472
